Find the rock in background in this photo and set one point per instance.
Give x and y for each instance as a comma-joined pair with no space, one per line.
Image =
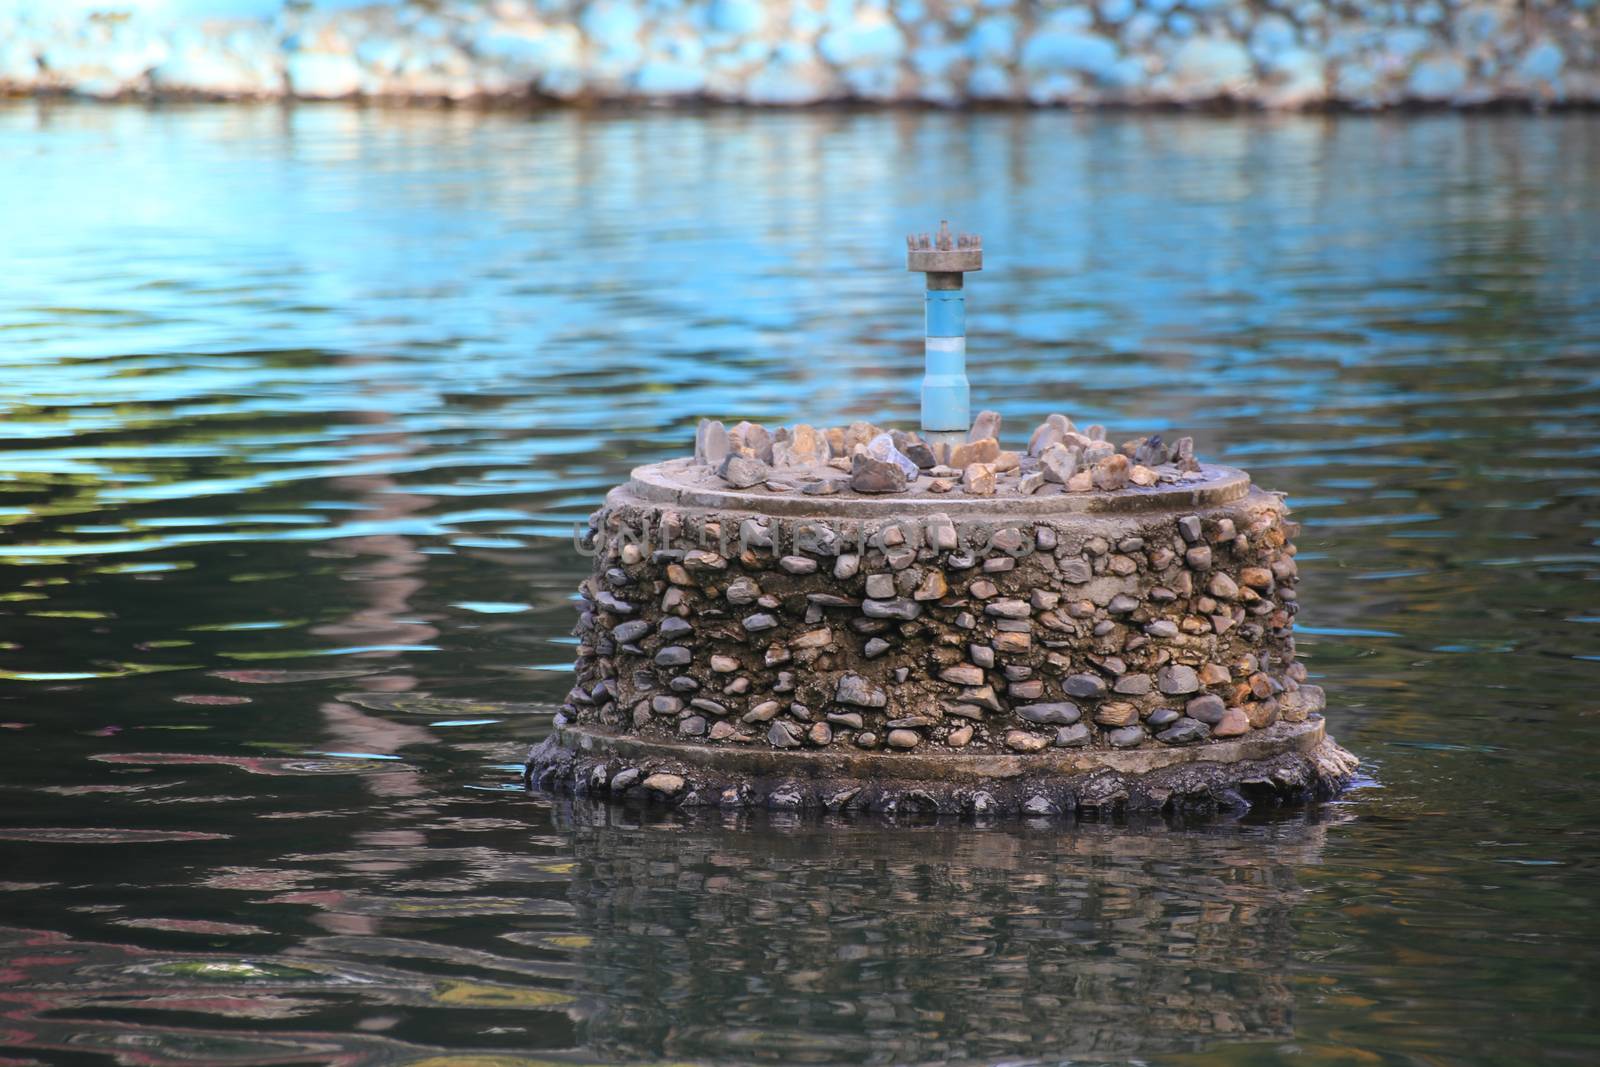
1266,53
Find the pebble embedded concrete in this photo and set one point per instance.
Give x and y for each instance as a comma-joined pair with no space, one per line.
745,620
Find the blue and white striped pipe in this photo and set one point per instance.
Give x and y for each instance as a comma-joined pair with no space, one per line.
946,396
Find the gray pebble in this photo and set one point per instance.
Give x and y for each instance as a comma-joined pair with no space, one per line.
674,628
1175,679
783,735
1063,713
1075,736
891,609
629,632
1208,709
1162,718
1133,685
1184,732
1084,685
1127,737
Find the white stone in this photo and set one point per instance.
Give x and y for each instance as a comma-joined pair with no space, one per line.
18,66
1071,51
989,82
1272,36
993,39
1541,65
736,16
869,38
211,71
667,77
1210,66
1296,78
322,75
1438,79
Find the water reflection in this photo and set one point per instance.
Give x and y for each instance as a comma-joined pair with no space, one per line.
700,936
720,939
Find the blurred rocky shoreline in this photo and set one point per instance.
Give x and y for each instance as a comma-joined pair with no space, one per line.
1276,54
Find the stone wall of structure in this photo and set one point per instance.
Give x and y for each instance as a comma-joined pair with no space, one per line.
1269,53
1101,631
733,630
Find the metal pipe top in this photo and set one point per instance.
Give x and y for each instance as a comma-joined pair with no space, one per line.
944,252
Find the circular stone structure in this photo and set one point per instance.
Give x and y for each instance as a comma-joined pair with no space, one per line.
1102,651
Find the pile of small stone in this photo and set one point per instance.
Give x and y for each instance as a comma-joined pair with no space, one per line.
864,458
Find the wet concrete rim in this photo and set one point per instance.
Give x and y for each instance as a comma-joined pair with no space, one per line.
681,482
949,768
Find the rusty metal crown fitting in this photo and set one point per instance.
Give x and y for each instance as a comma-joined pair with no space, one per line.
944,252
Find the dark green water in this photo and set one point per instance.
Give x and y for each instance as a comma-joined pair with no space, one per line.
300,408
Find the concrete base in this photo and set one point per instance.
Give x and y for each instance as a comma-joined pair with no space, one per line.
1286,763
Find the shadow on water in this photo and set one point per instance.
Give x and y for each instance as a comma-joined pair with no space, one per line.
300,407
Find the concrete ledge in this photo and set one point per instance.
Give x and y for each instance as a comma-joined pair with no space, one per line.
1286,764
686,484
951,767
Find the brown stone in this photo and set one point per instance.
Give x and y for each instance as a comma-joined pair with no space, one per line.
904,739
1235,723
1116,713
1012,642
1222,587
1022,741
1256,578
1121,566
987,424
819,638
766,711
985,450
868,475
932,587
962,675
978,479
666,784
1261,713
959,737
1111,473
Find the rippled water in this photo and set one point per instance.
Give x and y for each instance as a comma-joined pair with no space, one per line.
300,407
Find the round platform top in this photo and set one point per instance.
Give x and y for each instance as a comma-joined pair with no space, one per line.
687,484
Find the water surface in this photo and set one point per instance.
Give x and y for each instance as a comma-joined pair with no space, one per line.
300,407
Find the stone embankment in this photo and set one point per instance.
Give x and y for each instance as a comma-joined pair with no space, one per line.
1280,54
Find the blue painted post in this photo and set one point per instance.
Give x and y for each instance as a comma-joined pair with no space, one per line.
946,395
